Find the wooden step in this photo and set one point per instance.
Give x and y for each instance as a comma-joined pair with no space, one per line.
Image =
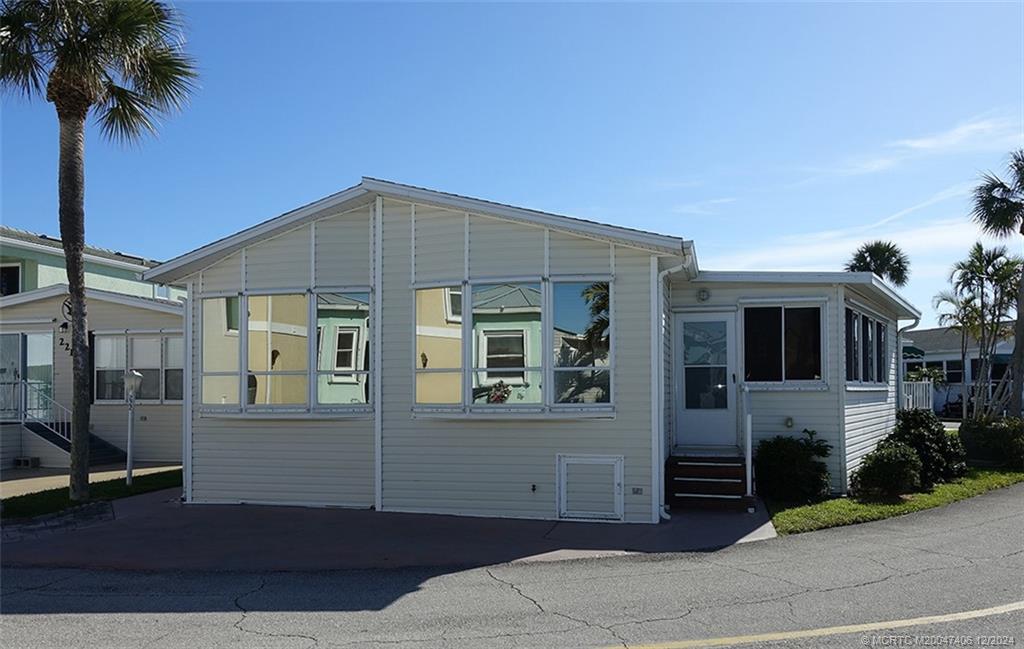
709,486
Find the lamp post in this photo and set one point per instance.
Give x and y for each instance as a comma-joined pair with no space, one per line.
132,381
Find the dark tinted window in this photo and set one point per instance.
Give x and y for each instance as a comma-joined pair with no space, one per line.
882,355
852,346
10,280
803,343
762,343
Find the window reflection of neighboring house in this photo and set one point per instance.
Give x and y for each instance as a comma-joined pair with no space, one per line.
343,346
507,334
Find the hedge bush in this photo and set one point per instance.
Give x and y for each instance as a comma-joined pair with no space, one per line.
941,453
790,469
1000,442
893,468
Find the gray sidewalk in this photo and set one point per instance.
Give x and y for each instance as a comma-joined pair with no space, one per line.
155,532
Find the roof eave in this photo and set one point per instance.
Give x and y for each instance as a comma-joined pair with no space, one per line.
56,290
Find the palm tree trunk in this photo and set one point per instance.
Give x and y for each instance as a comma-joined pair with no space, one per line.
1017,362
72,233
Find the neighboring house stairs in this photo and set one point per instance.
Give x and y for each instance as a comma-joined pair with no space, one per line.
707,482
100,451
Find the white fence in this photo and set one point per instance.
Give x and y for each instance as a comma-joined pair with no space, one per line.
917,394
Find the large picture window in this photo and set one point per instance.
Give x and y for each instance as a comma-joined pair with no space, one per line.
782,343
867,356
506,328
159,359
291,362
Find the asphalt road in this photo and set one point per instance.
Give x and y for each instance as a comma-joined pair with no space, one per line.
964,557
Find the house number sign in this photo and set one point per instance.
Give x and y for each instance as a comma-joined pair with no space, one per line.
65,327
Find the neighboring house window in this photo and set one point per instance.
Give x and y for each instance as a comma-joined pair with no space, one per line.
162,292
174,362
110,354
782,343
507,325
911,367
10,279
285,368
867,349
144,358
954,371
504,349
453,304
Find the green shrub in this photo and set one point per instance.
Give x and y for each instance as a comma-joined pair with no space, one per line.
893,468
1000,442
790,469
942,454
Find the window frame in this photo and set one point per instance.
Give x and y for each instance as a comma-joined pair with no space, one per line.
820,303
21,275
483,356
879,357
449,313
314,345
126,340
471,347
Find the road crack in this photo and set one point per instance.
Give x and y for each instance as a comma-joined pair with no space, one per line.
244,613
536,604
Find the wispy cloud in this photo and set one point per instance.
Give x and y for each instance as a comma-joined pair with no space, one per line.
981,133
672,184
702,207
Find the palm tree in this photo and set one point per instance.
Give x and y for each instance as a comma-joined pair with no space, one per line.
123,60
999,210
883,258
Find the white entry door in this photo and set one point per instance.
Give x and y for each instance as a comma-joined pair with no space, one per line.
705,351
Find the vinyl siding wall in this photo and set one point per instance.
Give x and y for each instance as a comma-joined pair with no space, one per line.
504,467
815,409
157,426
10,444
870,413
285,461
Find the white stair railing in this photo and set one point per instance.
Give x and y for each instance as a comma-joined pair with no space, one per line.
39,407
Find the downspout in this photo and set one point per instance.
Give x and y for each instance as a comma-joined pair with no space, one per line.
657,348
899,360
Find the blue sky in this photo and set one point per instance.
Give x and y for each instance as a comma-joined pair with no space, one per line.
776,136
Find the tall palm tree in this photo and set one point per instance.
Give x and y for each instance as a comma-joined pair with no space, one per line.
883,258
122,60
999,210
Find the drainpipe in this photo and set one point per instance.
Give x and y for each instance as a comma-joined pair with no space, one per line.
899,360
660,419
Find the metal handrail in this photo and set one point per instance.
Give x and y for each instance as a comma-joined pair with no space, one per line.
56,417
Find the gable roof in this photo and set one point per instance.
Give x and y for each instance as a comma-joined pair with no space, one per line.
57,290
15,238
369,188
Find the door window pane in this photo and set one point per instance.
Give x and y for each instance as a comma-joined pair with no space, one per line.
704,343
803,343
706,388
581,324
762,343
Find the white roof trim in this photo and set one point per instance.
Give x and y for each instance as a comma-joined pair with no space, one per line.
38,247
56,290
865,279
202,257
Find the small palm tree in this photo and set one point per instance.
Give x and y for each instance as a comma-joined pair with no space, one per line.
999,210
122,60
883,258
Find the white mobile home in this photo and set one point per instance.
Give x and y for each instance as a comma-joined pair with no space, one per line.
410,350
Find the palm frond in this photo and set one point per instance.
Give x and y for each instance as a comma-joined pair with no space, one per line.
22,68
124,115
883,258
998,209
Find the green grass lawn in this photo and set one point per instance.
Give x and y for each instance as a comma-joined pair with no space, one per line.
793,519
55,500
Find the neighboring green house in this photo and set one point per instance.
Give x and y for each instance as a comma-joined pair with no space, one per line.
30,261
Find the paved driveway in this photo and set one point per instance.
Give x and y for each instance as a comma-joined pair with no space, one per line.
964,557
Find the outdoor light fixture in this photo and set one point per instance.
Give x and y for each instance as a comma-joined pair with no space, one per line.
132,383
703,295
